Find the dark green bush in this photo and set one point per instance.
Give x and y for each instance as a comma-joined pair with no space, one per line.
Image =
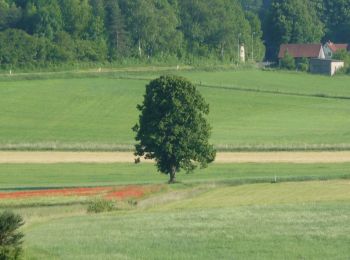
287,62
10,237
303,64
344,56
100,205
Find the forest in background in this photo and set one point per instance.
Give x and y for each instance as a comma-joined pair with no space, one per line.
36,33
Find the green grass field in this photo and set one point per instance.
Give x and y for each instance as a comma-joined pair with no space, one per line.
97,113
227,211
33,176
259,221
209,214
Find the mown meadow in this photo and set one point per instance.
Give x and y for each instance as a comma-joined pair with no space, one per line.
250,110
238,210
228,211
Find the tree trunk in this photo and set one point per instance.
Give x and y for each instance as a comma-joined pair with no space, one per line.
140,50
172,179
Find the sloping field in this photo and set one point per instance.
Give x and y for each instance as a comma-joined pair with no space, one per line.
98,113
240,222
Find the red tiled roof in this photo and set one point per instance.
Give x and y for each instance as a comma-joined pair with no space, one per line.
301,50
335,47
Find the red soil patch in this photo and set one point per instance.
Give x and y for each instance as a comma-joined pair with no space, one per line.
54,192
127,192
108,192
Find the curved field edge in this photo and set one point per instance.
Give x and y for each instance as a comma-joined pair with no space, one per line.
264,221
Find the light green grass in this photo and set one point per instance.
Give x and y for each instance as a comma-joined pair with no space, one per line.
266,194
250,224
27,176
276,81
98,113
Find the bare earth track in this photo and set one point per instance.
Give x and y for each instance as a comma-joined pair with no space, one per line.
127,157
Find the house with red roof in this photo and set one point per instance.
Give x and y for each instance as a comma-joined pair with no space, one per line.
319,61
330,48
299,51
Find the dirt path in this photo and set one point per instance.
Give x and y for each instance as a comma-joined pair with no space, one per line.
119,157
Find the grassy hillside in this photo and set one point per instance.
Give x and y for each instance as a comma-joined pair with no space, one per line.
241,222
275,81
98,113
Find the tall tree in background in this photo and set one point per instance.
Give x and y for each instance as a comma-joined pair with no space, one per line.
96,28
252,5
214,27
337,17
292,21
257,47
118,38
42,18
152,25
10,15
76,16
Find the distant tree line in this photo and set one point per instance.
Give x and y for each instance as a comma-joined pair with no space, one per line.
44,32
41,32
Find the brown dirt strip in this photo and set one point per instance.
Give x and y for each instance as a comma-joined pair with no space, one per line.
127,157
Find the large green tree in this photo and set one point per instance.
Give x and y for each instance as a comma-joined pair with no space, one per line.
172,128
118,37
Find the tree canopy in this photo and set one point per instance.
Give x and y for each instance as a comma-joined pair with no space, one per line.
73,31
172,128
65,31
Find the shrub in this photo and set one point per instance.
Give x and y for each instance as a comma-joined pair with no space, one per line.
100,205
287,62
303,64
10,237
344,56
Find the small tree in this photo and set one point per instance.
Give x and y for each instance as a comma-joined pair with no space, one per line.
288,62
303,64
172,128
10,238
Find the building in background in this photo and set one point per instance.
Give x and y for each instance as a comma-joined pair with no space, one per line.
242,53
330,48
299,51
325,66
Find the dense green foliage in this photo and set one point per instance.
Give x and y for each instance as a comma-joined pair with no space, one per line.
344,56
70,31
66,31
10,237
172,127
